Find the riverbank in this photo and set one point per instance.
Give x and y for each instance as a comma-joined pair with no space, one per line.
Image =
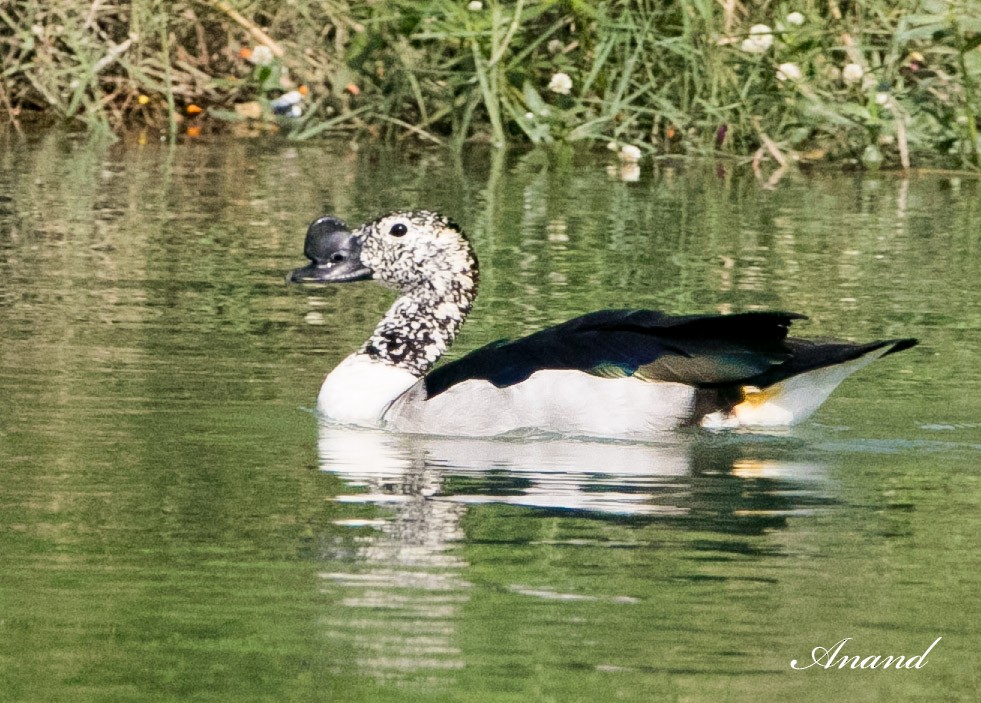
869,83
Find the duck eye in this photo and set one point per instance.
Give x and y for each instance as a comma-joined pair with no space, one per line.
398,230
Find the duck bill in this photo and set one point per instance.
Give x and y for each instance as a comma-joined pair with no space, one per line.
334,253
341,272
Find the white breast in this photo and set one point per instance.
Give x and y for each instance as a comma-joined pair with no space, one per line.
360,390
563,401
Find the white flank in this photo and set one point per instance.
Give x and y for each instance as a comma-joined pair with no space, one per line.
791,401
360,389
563,401
370,393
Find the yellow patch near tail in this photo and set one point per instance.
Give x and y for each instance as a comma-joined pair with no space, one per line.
754,397
760,406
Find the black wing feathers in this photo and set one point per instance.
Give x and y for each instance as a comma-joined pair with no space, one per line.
700,350
810,354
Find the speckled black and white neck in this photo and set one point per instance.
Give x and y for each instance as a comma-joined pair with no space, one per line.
428,260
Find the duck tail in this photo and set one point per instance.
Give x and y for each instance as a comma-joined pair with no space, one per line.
792,391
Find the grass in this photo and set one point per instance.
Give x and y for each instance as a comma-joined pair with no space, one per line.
866,82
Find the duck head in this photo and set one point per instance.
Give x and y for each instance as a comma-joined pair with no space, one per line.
422,255
405,251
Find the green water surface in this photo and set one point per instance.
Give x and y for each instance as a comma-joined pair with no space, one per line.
174,525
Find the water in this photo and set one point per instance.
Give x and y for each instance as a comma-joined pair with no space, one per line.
174,526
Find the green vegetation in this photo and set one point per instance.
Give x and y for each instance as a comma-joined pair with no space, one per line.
894,83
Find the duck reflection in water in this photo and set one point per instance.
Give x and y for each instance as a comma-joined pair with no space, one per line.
707,479
403,583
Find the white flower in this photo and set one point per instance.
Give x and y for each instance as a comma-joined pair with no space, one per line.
261,55
872,157
764,33
560,83
881,98
554,46
529,116
629,154
852,73
795,18
759,40
789,72
630,173
475,5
